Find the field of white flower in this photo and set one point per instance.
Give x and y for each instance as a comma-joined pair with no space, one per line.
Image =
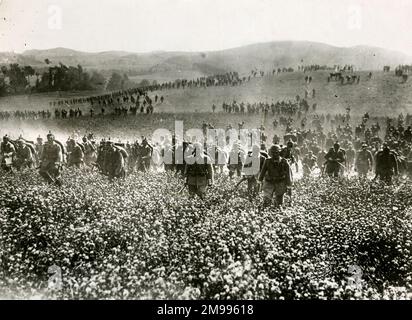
138,239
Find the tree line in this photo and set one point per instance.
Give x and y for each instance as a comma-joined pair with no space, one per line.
16,79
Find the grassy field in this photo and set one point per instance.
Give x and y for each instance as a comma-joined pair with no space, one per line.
383,95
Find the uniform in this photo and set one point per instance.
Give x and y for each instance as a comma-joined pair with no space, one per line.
76,156
24,157
277,177
7,152
199,174
235,162
115,163
386,165
363,163
309,162
90,154
334,161
51,158
145,155
249,171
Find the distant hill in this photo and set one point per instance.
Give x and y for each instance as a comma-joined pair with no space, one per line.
264,56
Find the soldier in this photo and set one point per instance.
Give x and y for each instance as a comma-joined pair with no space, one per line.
250,173
309,163
198,171
287,153
24,155
90,152
76,154
277,176
386,164
364,161
145,153
236,159
7,153
51,158
335,160
114,162
39,149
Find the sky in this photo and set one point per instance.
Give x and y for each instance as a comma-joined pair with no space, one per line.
201,25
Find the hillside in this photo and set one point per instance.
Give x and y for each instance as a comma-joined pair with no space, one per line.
262,56
383,95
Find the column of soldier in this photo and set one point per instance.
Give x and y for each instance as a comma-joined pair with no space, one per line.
336,154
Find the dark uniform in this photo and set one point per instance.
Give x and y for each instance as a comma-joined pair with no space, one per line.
199,173
24,156
335,160
7,152
76,155
235,161
115,163
364,161
386,164
51,158
288,154
145,156
250,173
277,176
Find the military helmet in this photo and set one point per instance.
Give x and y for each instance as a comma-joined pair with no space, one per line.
274,148
6,138
336,145
50,135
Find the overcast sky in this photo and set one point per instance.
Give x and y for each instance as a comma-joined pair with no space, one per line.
201,25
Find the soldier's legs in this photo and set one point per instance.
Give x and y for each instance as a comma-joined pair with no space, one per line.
239,171
279,199
252,186
192,190
46,176
268,190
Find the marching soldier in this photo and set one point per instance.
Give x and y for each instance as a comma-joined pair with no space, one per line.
287,153
236,159
115,162
250,173
335,159
7,152
145,152
39,149
76,155
51,158
24,156
198,171
364,161
309,163
386,164
276,176
90,152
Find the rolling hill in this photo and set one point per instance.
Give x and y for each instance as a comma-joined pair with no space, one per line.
242,59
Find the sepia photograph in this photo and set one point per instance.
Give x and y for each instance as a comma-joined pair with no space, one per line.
205,150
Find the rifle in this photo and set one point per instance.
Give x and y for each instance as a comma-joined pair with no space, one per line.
181,190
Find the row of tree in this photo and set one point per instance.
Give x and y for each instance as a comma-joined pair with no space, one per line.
16,79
